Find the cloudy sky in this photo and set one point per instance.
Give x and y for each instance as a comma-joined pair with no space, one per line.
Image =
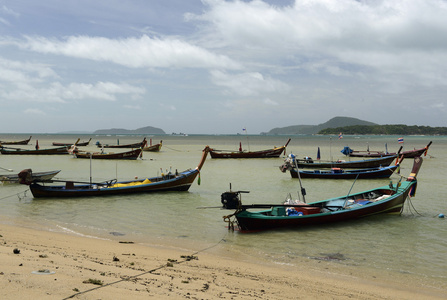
215,66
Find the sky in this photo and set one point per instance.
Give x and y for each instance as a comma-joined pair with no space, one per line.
217,67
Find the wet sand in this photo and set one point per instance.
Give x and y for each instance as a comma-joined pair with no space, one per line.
53,265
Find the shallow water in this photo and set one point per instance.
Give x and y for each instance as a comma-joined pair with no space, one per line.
414,243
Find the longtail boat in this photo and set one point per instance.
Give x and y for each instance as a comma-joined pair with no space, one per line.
153,148
291,161
338,173
23,142
275,152
33,176
296,214
18,151
166,182
130,155
85,143
407,154
134,145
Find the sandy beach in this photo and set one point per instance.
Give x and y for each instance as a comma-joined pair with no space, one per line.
49,265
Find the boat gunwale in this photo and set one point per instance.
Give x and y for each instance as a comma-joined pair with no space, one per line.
261,214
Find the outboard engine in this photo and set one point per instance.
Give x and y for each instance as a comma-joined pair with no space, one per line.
308,160
26,176
288,164
230,200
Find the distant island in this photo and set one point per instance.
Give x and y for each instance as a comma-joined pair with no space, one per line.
143,130
315,129
353,126
335,126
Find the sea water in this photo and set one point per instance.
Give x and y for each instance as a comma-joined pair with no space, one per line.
413,244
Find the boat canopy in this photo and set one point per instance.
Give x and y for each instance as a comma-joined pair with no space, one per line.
346,150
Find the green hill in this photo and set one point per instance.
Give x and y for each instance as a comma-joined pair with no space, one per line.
396,129
143,130
314,129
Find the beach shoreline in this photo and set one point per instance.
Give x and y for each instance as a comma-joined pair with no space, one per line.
54,265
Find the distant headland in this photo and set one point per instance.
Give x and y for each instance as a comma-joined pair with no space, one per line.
353,126
336,125
142,130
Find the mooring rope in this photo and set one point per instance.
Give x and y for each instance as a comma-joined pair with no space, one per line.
172,149
412,206
228,220
17,194
186,259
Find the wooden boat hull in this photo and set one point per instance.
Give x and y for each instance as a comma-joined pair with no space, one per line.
24,142
134,145
170,182
406,154
130,155
36,176
71,144
275,152
181,183
153,148
52,151
258,221
371,173
357,164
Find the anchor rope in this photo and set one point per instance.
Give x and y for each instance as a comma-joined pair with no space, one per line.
17,194
186,259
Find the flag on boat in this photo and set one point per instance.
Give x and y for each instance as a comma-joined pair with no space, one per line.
400,140
340,136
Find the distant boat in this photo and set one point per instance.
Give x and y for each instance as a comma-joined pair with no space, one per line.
23,142
134,145
130,155
33,176
338,173
75,143
166,182
297,214
153,148
407,154
275,152
289,163
17,151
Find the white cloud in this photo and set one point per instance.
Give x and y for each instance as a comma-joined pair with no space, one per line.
135,107
34,111
376,38
168,106
132,52
59,93
25,81
16,71
438,105
248,84
270,102
100,90
8,11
